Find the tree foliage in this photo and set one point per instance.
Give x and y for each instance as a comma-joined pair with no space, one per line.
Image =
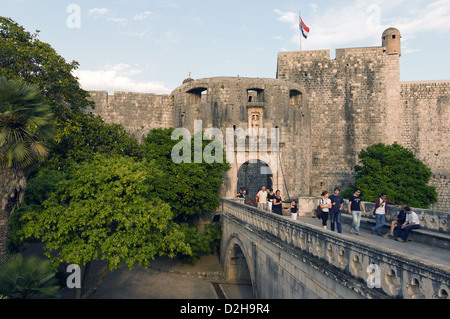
394,170
25,58
113,197
190,188
107,208
82,136
107,184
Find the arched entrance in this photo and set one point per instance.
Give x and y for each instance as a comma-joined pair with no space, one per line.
252,177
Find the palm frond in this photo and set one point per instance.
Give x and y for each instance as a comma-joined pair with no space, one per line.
27,277
39,149
26,123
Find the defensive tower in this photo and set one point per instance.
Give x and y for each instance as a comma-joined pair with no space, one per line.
391,41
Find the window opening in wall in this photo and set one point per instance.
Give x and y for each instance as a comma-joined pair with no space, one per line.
255,95
196,96
295,97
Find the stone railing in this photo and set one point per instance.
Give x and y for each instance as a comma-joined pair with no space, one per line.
430,220
394,273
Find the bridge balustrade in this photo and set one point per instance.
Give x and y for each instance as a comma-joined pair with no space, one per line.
392,273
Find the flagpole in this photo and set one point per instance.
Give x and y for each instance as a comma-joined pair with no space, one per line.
301,40
300,22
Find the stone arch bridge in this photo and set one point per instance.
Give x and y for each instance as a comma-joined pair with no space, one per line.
288,259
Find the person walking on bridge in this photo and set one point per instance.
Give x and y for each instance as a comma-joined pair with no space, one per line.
381,207
277,207
354,207
325,204
270,199
337,202
262,198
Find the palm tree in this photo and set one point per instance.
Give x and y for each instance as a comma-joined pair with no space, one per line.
28,277
26,123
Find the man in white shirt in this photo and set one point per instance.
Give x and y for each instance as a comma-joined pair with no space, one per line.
262,198
411,222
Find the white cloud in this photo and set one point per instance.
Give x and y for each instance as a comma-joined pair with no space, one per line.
98,11
135,34
118,78
339,26
103,13
121,21
287,17
142,16
171,36
435,17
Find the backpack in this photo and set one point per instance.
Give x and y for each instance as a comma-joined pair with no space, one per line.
319,211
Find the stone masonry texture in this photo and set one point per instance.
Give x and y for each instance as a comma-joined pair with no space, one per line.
327,110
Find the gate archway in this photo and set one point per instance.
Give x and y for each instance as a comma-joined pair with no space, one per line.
252,177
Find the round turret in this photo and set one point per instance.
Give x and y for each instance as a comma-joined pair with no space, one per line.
391,40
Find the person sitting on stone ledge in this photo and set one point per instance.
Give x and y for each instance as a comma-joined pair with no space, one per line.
400,220
411,222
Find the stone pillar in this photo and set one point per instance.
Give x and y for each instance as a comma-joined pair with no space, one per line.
307,206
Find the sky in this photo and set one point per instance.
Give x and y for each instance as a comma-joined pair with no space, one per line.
152,46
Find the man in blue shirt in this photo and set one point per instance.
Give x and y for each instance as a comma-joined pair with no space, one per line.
354,207
337,202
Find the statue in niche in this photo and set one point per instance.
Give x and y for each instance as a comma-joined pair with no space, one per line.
255,121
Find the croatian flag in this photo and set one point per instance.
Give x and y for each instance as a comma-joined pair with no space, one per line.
304,28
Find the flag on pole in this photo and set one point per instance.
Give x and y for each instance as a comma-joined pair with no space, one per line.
304,28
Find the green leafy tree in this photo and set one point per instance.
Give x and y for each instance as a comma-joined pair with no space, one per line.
394,170
26,124
82,136
107,209
190,188
27,277
24,57
39,188
205,242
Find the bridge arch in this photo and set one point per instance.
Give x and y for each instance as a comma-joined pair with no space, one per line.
237,262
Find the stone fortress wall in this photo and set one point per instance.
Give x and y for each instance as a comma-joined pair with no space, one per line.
327,110
139,113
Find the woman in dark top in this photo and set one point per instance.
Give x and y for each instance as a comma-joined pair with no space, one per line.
270,198
277,207
294,210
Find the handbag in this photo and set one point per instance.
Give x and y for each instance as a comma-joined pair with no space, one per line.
319,211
